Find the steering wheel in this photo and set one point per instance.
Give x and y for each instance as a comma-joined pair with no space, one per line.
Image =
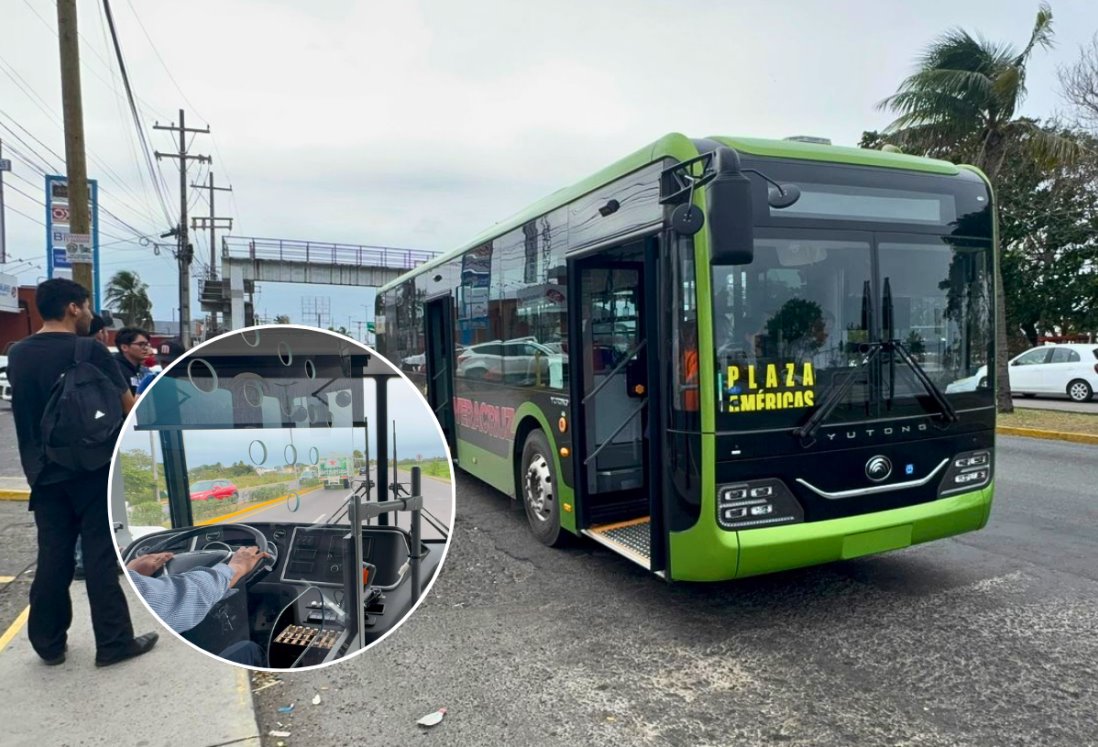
205,558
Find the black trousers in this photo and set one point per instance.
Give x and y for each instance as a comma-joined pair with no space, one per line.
62,512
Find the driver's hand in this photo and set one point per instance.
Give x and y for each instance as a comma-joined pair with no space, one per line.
149,564
244,560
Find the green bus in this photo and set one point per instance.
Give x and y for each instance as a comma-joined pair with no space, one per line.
723,357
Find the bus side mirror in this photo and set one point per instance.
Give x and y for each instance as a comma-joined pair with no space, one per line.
730,212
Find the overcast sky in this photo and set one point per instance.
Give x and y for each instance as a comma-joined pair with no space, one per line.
417,124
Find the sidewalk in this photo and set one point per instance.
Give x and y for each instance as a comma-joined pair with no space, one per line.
173,695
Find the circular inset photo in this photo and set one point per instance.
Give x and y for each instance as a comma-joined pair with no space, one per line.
285,496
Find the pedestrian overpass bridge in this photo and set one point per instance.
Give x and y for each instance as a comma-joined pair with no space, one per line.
249,260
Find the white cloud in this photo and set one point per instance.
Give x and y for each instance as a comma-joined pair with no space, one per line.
420,123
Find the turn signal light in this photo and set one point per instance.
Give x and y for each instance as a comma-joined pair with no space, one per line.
562,424
565,452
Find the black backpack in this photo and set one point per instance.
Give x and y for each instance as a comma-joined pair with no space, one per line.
83,415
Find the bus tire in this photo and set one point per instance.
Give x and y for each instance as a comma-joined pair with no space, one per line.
538,490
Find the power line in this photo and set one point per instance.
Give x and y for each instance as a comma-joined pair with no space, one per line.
90,48
157,53
133,108
131,141
50,167
17,211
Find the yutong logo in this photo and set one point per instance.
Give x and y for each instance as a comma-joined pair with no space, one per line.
878,468
877,432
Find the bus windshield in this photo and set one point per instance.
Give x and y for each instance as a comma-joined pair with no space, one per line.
799,319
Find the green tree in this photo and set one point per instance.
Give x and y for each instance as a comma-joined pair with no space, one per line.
961,103
129,298
282,319
137,476
1048,228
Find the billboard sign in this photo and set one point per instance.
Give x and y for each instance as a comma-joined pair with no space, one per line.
63,249
9,292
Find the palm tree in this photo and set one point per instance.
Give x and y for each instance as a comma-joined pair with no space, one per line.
129,297
961,104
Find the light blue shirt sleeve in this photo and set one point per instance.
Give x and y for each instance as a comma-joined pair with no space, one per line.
182,601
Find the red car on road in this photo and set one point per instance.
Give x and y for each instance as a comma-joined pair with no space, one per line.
220,490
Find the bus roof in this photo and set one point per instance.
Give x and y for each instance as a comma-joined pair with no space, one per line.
676,145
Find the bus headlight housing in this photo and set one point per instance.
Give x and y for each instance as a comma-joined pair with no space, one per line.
969,470
756,503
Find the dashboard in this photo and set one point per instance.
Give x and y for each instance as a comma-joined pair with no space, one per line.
309,555
317,555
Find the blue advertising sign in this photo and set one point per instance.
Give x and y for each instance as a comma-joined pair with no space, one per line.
57,229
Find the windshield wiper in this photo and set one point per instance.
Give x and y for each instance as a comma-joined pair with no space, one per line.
834,396
945,408
895,345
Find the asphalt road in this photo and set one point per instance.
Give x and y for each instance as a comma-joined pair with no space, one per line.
18,549
321,505
9,449
987,639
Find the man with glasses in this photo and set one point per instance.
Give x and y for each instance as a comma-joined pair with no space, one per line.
133,349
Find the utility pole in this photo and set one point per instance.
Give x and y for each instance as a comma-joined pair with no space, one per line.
4,166
211,223
185,254
76,165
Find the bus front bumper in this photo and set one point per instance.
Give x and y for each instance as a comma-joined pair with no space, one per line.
708,553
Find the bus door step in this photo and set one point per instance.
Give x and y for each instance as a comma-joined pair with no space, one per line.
632,538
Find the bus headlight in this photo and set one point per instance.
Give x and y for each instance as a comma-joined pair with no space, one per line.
756,503
970,470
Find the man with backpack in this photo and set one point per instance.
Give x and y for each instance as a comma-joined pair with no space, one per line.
68,402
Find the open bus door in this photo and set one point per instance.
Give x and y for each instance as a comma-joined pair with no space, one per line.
616,401
439,321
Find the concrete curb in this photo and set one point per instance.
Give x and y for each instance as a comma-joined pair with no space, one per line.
14,495
1079,438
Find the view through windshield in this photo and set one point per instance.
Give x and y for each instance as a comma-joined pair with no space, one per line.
787,326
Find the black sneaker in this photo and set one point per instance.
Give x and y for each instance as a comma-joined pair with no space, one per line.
143,644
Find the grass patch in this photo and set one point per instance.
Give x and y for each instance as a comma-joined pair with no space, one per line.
437,467
1051,420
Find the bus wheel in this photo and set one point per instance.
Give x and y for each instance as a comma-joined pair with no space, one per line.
538,490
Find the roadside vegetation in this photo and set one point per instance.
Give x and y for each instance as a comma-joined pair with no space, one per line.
1051,420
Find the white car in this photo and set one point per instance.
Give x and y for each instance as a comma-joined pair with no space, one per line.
522,361
5,387
1070,369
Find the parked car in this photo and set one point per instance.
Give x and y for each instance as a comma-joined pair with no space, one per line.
5,387
219,490
1049,369
519,361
